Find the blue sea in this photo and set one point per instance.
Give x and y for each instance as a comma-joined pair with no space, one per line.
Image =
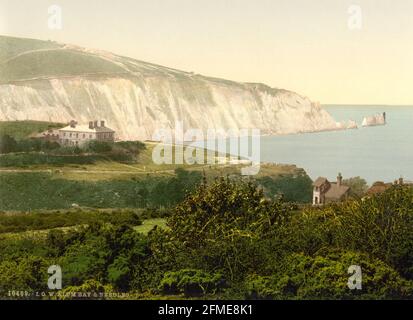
381,153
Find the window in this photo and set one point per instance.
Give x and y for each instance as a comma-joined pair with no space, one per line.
84,136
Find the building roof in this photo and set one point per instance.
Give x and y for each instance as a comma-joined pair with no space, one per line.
336,191
379,187
49,132
320,181
85,128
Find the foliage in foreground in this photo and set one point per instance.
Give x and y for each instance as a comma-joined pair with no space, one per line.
227,240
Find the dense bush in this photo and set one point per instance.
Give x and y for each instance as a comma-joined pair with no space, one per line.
284,254
221,227
132,147
107,253
292,188
358,186
30,159
326,277
95,146
47,220
191,282
381,225
27,152
26,273
228,230
7,144
89,290
31,145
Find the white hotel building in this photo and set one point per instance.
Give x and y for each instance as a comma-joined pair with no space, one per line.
76,135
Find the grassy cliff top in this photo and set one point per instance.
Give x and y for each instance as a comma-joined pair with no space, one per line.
11,47
23,129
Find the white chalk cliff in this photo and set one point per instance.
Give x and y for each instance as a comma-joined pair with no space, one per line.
61,82
376,120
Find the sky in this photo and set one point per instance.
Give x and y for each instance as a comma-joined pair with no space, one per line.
333,51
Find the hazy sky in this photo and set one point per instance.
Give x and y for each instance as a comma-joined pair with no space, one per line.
301,45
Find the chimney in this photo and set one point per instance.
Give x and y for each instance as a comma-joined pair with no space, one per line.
73,124
90,124
401,181
102,123
339,179
95,124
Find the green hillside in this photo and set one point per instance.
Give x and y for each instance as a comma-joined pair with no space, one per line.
54,63
11,47
23,129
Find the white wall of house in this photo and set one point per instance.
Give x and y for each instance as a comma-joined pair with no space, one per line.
76,138
316,196
74,135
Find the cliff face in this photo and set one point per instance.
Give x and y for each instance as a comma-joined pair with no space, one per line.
137,98
376,120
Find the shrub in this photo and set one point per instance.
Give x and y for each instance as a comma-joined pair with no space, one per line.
89,290
85,260
325,276
98,146
25,273
358,186
7,144
134,147
381,225
119,273
294,188
191,282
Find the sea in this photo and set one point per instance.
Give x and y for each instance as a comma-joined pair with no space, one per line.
379,153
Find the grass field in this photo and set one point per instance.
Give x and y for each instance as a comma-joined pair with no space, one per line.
11,47
23,129
55,62
149,224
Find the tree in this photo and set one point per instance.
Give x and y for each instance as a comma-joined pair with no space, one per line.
7,144
25,273
223,226
85,260
119,273
294,188
358,186
381,225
